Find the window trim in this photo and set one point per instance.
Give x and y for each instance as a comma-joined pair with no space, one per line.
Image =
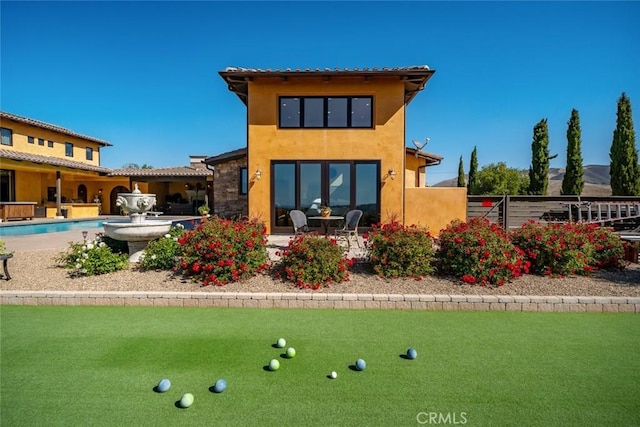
325,118
68,153
50,144
89,153
31,140
41,142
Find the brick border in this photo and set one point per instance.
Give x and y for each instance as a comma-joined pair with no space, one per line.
327,300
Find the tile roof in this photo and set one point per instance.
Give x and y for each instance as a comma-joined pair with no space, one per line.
186,171
48,126
50,160
432,159
225,157
415,77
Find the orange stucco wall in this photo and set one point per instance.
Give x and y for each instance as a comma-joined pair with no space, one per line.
435,207
21,132
266,142
414,174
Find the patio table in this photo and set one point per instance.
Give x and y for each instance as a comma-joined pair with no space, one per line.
325,220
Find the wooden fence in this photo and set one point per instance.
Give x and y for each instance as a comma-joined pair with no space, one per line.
513,211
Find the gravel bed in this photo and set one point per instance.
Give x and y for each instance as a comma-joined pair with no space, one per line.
37,271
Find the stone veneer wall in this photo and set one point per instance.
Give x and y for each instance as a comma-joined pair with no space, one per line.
227,200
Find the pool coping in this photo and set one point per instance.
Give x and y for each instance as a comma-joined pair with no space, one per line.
533,303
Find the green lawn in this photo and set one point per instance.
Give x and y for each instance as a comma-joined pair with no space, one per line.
98,366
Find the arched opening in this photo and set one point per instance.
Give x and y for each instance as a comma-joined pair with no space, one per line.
113,196
82,193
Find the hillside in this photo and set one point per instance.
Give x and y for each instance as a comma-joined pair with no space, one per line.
596,178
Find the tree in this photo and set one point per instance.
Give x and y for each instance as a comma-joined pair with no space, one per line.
625,171
539,171
499,179
473,171
461,174
131,166
573,182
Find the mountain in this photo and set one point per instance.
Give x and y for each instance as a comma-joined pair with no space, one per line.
596,178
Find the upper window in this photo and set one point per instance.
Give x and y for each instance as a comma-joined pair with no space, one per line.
326,112
40,141
50,144
7,136
89,153
68,149
30,139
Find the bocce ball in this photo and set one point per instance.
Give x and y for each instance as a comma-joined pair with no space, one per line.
274,364
220,386
291,352
163,385
360,365
281,342
186,400
412,353
334,375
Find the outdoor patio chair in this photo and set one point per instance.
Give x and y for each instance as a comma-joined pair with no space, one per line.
299,219
350,229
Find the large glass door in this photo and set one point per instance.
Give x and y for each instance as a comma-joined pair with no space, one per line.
306,185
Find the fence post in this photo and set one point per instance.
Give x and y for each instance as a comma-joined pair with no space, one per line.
505,212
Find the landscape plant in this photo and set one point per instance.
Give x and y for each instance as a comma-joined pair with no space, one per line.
164,252
573,181
312,261
560,249
539,171
479,252
219,251
92,257
625,169
396,250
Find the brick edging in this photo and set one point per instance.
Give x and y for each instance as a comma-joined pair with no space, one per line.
326,300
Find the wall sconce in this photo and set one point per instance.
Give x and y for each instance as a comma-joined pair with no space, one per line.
258,174
392,174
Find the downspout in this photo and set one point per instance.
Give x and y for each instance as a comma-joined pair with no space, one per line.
213,188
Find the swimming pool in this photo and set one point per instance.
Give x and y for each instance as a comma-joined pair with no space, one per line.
22,229
52,227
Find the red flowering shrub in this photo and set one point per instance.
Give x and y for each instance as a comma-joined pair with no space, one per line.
568,248
479,252
219,251
311,261
396,250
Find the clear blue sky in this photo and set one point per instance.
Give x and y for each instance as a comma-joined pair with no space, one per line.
143,75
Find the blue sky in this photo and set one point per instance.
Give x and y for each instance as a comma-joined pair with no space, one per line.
144,75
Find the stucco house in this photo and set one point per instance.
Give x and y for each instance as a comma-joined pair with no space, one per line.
331,137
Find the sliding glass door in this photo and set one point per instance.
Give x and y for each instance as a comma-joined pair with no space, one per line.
306,185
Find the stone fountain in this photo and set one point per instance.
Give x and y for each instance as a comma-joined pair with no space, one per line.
138,231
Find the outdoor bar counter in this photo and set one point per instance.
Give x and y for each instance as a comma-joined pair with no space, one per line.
75,210
17,210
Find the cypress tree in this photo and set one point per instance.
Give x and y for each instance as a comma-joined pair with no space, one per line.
573,182
539,171
461,174
473,171
625,171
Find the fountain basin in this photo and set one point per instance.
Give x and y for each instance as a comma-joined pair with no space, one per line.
137,235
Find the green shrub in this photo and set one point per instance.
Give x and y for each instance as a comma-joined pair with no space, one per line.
312,261
163,253
396,250
219,251
479,252
92,258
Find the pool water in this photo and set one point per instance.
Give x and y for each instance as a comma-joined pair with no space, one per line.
53,227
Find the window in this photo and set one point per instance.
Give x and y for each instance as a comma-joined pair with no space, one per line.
343,185
50,144
68,149
89,153
30,139
244,181
41,141
326,112
7,136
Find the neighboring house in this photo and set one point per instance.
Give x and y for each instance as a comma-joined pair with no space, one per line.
59,171
332,137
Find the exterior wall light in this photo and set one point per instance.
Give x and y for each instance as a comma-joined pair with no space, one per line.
392,174
258,174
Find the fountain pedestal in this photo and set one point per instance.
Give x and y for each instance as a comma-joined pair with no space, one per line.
137,231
